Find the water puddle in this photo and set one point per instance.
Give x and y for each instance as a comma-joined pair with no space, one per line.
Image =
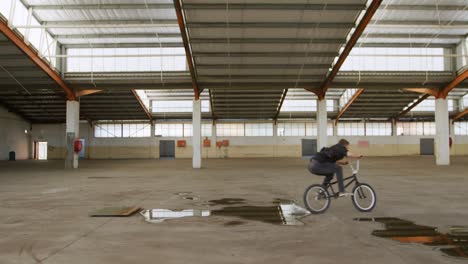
285,213
226,201
454,243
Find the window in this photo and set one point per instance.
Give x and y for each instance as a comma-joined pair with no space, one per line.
311,129
45,44
465,101
428,105
379,129
351,129
126,59
136,130
169,130
415,128
291,129
394,59
230,129
258,129
460,128
181,106
108,130
293,105
5,7
206,130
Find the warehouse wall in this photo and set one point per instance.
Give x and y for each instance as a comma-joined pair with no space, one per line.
13,136
148,148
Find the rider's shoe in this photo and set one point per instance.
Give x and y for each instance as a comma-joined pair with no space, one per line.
342,194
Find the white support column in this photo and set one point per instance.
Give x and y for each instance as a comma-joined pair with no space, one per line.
321,124
213,132
394,127
442,150
196,132
275,129
72,132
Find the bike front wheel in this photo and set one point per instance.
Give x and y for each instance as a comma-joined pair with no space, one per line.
316,199
364,197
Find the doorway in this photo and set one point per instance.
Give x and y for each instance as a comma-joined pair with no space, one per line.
167,149
40,150
426,146
309,147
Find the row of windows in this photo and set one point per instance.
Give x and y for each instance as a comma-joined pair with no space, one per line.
177,106
394,59
180,130
125,59
296,129
293,105
40,39
122,130
460,128
428,105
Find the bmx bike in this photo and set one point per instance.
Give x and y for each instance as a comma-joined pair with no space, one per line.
317,197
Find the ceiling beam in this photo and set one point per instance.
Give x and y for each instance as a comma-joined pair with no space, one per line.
188,51
15,111
148,114
433,92
86,92
348,104
278,108
413,105
454,83
349,46
213,116
460,115
32,54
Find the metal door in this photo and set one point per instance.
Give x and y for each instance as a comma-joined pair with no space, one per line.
426,146
309,147
167,149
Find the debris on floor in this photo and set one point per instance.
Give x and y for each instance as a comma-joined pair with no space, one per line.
187,196
285,213
454,243
115,211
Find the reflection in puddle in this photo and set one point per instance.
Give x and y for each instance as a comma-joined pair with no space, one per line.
159,215
282,214
227,201
454,243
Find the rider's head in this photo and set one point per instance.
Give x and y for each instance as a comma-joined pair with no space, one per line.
344,142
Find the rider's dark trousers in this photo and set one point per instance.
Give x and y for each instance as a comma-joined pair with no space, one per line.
328,169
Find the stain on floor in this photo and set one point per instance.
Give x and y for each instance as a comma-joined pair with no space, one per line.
454,243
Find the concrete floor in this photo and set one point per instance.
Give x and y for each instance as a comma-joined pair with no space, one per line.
45,212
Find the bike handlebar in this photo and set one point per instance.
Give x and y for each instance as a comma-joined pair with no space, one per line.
355,170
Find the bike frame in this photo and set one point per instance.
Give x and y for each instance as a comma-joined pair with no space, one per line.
347,181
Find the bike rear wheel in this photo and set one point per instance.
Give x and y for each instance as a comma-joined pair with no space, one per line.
364,197
316,199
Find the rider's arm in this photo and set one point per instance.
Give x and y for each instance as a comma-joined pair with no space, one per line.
354,155
342,162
